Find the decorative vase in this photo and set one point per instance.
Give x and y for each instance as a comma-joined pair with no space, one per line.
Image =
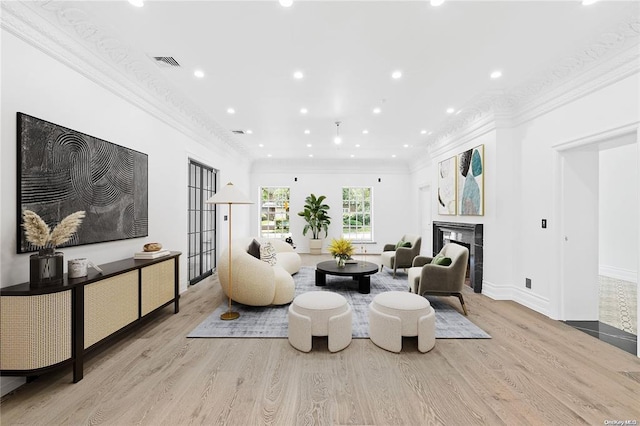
46,267
340,261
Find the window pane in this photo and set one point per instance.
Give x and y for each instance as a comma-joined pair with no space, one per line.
356,213
274,212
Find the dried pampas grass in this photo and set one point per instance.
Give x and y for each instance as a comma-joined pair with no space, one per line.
66,228
36,230
38,233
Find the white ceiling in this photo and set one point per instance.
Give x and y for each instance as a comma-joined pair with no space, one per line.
347,51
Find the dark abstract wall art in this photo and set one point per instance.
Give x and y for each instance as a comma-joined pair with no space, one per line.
471,182
61,171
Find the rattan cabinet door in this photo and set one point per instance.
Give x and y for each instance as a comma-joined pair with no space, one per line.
35,330
158,285
109,305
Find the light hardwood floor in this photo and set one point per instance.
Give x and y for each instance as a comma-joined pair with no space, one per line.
533,371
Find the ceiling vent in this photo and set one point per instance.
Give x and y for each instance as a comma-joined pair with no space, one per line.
166,61
238,132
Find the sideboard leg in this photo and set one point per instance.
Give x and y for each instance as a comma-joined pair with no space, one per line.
78,333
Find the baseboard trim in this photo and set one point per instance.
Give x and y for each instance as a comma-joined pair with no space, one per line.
523,297
618,273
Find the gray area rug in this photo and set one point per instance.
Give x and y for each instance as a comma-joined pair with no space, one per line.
271,321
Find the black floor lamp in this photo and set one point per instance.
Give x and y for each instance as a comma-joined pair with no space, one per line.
229,195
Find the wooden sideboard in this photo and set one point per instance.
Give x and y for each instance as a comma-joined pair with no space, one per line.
44,328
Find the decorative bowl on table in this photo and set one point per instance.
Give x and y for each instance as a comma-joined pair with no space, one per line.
152,247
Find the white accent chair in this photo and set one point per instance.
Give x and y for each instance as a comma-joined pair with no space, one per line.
320,313
255,282
394,314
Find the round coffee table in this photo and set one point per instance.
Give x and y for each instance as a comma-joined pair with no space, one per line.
359,271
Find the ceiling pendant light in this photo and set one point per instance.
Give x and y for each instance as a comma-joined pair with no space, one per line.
337,140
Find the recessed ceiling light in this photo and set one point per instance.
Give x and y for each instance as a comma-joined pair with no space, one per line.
496,74
436,3
396,74
357,145
303,110
286,3
588,2
298,75
231,111
365,132
352,156
306,132
137,3
393,156
451,110
423,132
406,145
309,145
249,131
377,110
198,73
268,155
261,145
311,155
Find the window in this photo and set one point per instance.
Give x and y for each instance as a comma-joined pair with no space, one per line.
274,212
356,213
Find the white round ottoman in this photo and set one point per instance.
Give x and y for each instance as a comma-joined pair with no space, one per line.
394,314
320,313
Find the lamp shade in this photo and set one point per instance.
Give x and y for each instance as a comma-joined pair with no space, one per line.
229,195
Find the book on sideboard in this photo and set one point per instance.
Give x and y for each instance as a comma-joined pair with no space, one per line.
151,254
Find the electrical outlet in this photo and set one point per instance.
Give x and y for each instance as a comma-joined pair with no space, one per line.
544,223
527,282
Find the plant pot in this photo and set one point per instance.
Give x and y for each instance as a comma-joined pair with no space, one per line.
46,268
315,246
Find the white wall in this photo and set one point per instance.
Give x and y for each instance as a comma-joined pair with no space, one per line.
618,208
393,199
36,84
545,139
422,186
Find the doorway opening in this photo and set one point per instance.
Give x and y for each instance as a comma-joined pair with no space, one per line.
600,233
426,225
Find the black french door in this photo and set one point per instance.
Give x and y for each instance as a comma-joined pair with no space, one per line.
202,222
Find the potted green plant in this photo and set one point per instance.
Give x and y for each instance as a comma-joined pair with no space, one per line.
315,213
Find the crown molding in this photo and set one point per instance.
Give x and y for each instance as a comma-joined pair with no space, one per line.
70,36
611,57
630,129
607,59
